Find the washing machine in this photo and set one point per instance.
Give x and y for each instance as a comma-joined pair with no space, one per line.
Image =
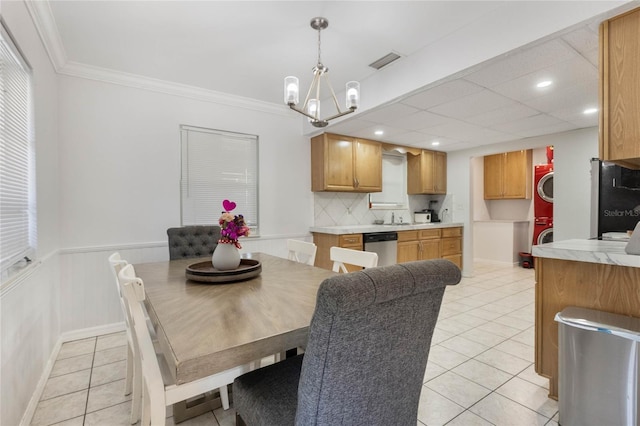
543,191
542,230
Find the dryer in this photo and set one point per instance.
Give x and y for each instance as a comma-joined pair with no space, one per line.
543,191
542,230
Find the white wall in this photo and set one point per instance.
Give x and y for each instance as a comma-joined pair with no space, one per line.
29,306
571,185
573,150
120,180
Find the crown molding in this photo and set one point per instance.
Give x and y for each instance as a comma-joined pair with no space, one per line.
45,24
75,69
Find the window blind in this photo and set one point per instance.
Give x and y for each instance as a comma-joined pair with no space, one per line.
17,183
217,166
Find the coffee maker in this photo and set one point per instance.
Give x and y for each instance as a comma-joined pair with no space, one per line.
434,213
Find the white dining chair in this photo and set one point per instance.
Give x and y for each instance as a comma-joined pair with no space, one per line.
158,387
341,256
302,251
116,264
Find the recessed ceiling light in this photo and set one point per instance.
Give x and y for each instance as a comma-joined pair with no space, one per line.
435,143
379,132
545,83
590,110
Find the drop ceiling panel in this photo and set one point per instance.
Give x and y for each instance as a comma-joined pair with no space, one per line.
388,113
527,123
502,115
442,93
545,130
585,41
579,97
576,71
522,63
473,104
419,120
415,139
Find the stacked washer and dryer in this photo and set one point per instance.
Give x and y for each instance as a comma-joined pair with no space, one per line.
543,201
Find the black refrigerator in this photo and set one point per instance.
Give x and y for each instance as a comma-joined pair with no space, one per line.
615,198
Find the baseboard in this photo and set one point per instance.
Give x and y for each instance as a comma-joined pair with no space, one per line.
495,262
64,337
92,332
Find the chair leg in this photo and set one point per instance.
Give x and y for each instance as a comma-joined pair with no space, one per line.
224,397
239,421
130,367
137,394
146,409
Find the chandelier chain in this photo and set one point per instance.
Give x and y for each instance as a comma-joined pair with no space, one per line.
319,48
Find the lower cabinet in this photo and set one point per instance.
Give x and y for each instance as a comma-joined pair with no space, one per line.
418,244
326,241
451,245
445,243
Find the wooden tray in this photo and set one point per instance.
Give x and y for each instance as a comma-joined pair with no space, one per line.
205,272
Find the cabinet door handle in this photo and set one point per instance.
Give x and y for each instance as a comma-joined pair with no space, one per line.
357,183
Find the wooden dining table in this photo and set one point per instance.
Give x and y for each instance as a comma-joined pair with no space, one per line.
207,328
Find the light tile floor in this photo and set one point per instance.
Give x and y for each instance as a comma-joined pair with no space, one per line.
480,369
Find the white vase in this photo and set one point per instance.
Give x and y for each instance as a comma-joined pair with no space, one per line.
225,257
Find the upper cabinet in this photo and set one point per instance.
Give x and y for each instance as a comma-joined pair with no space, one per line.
427,172
345,164
508,175
620,89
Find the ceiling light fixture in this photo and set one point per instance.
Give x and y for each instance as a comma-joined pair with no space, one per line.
543,84
435,143
311,106
590,110
379,132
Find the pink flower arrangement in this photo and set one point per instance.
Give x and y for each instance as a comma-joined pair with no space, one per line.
232,226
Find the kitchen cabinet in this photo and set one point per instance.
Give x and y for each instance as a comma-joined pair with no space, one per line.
451,245
324,242
428,244
427,172
620,89
345,164
507,175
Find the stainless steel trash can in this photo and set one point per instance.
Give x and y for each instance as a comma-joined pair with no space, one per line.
599,355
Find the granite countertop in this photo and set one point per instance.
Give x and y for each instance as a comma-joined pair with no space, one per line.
591,251
364,229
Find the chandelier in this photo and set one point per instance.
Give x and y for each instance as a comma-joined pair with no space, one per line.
311,106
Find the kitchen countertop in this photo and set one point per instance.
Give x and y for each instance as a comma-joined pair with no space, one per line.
364,229
590,251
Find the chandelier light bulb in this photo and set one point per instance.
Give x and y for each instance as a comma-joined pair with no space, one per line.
353,95
291,90
313,108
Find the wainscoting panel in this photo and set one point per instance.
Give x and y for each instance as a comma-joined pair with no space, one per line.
88,295
30,329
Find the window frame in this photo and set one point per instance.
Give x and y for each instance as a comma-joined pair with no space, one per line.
251,213
21,139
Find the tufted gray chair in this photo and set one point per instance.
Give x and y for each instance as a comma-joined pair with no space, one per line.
192,241
365,359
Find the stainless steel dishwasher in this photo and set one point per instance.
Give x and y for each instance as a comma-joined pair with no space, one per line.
383,243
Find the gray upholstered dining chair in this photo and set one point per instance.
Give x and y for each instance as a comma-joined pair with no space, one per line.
366,355
192,241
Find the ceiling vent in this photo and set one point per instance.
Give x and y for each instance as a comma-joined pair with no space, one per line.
384,61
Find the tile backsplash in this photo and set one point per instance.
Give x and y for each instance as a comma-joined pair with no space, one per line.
345,208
